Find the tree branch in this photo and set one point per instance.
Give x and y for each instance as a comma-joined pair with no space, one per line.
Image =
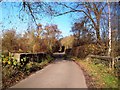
30,10
63,13
75,10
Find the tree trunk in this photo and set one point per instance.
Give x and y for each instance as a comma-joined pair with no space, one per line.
98,34
109,49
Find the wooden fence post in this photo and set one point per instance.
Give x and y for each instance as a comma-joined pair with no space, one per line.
113,62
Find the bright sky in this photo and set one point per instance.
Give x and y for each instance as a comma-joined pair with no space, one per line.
9,19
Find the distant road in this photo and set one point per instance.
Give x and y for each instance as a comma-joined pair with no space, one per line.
60,74
59,55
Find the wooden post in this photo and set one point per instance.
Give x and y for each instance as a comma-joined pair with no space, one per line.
113,62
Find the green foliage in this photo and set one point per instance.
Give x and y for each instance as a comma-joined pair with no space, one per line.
9,61
99,61
49,58
31,67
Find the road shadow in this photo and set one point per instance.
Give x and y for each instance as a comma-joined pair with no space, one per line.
61,57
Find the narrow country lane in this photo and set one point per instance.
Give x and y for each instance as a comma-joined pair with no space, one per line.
60,74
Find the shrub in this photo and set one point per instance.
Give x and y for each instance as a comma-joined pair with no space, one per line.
13,70
83,51
49,58
117,68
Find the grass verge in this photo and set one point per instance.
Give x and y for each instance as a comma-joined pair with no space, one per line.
101,75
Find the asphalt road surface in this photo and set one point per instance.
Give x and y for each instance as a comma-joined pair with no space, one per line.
60,74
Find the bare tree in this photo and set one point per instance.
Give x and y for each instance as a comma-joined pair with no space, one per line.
92,10
9,41
52,34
